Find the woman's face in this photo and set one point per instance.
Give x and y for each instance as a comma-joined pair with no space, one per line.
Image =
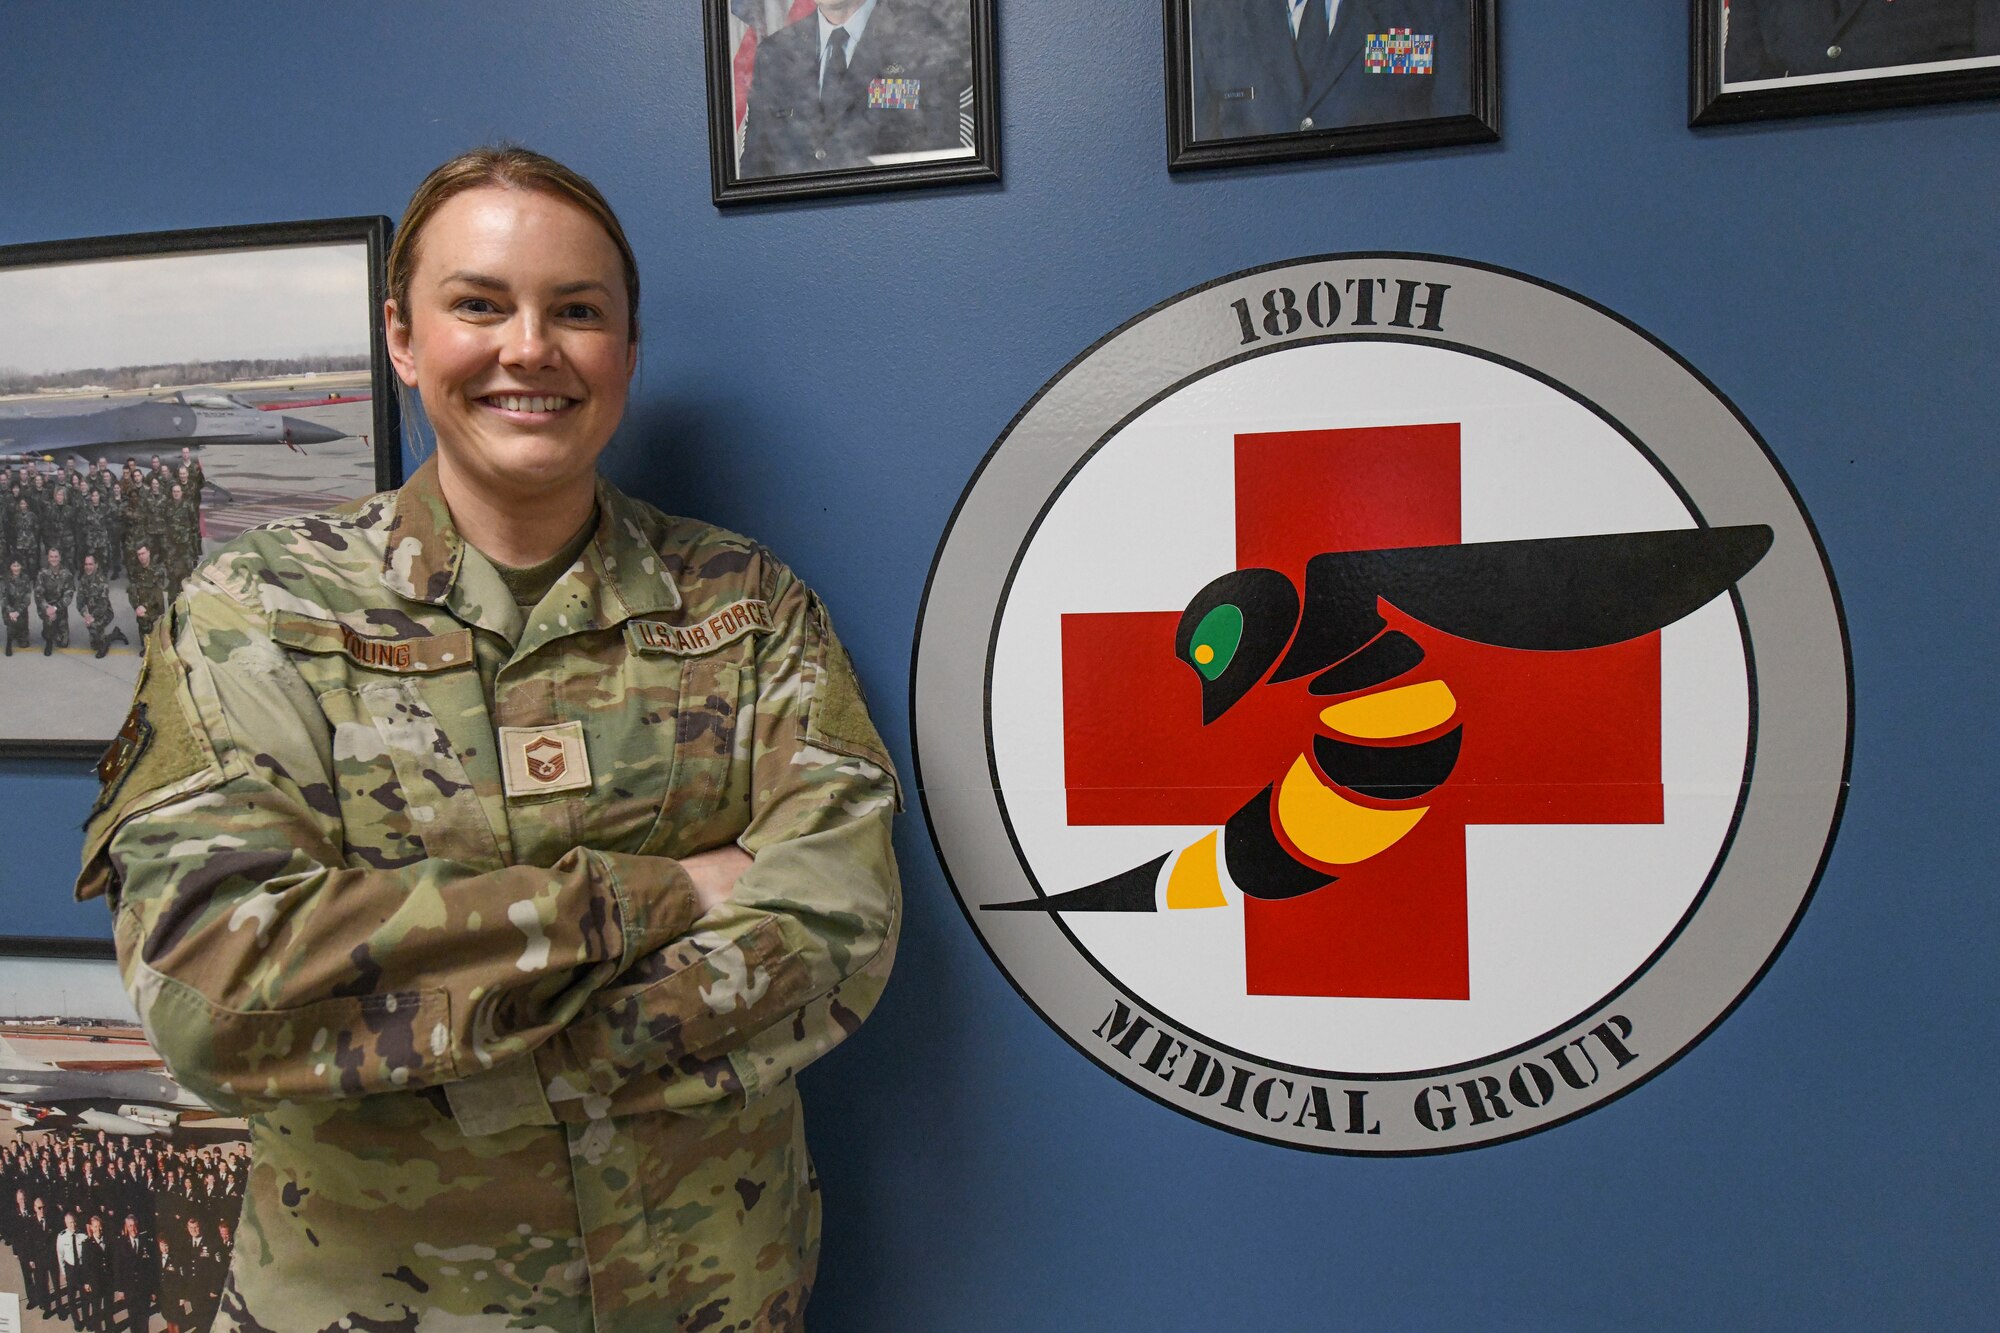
516,337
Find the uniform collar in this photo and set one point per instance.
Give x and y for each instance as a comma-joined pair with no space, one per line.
424,549
619,576
856,25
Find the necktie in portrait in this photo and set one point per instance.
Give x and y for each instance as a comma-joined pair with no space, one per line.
1314,39
834,71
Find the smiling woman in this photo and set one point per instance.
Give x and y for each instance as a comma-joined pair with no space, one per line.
501,846
518,325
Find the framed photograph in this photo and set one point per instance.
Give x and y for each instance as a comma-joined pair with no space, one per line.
109,1165
1763,59
821,97
1272,80
159,394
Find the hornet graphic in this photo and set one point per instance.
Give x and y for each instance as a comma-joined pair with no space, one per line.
1251,627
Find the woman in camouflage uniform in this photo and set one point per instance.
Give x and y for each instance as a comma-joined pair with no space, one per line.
502,846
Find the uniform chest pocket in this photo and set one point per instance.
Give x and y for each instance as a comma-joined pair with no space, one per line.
403,791
706,800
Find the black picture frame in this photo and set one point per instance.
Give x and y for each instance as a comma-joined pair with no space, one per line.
1479,122
1712,102
55,946
383,417
978,128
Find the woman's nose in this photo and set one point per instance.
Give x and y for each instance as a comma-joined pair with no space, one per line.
528,342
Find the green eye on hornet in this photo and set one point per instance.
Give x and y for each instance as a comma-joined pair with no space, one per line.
1215,640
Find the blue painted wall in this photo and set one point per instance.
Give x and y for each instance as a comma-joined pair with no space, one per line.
827,375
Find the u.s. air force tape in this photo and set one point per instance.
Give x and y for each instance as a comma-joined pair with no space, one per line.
726,626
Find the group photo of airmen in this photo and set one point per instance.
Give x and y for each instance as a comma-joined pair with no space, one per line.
115,1232
91,552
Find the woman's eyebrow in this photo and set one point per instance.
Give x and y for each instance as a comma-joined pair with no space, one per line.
471,279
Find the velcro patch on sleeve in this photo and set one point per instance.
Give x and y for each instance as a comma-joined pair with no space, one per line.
159,754
837,718
732,622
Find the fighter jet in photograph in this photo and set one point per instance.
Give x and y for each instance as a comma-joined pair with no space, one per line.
127,1091
117,429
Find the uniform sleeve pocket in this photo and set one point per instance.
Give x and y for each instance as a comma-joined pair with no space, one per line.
699,807
335,1047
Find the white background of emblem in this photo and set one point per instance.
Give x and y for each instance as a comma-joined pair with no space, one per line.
1560,916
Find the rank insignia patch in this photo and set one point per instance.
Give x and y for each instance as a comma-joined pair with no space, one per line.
541,761
894,94
1400,51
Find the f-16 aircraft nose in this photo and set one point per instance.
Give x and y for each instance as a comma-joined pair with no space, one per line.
300,431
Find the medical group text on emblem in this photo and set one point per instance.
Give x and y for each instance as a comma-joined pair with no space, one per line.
1276,1098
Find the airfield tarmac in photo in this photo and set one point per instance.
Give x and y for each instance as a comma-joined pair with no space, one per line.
72,695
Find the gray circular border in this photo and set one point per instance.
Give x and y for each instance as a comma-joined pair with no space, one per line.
1800,745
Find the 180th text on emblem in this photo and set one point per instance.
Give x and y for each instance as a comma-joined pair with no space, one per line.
1284,312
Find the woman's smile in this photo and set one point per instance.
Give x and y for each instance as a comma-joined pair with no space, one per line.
528,407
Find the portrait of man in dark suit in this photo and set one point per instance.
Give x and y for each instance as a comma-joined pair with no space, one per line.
858,83
1800,39
1264,67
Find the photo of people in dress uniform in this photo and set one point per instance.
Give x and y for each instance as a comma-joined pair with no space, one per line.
1265,67
119,1191
1831,40
150,410
843,84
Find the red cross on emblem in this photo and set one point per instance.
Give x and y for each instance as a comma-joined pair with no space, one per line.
1549,737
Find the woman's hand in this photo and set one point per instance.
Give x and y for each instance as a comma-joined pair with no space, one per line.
714,873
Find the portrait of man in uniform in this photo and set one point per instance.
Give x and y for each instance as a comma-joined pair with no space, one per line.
1283,66
1329,75
1797,39
1756,59
821,86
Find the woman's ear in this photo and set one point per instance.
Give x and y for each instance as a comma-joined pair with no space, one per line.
396,333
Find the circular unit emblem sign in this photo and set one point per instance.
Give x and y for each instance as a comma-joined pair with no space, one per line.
1381,704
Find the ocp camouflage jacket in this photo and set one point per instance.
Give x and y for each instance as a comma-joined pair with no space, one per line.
494,1066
